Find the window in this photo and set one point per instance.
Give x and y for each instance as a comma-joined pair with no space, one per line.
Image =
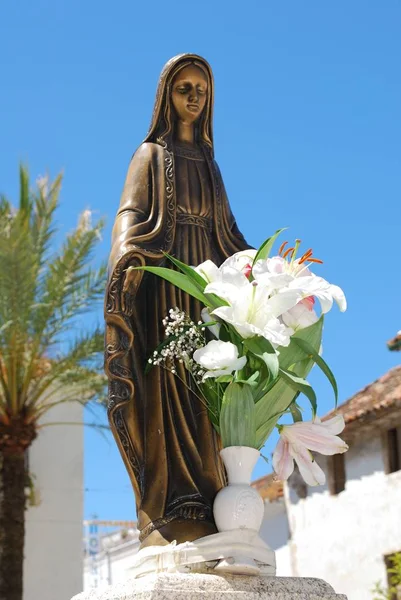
336,479
392,450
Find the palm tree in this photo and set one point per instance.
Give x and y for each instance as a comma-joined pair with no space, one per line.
45,358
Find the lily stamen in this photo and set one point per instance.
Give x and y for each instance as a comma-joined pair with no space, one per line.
294,254
283,245
288,251
305,256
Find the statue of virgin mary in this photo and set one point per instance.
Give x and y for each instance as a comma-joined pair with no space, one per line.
173,201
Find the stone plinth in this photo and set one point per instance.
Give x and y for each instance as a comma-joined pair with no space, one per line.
197,586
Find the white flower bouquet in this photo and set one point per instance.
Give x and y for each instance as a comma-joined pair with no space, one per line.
265,336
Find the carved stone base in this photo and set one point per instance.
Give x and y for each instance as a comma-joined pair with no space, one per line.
240,551
198,586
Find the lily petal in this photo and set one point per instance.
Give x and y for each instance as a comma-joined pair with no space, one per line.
206,318
339,297
208,270
335,425
216,373
283,463
308,467
315,437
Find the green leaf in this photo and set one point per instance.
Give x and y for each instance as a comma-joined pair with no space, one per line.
224,334
262,348
209,392
279,395
247,382
295,412
214,301
224,379
309,349
300,385
267,246
271,361
183,282
189,271
208,324
251,380
237,417
293,353
268,410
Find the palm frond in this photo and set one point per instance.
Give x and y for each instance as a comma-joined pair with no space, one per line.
42,294
78,370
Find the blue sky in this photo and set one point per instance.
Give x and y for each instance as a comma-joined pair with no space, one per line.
307,135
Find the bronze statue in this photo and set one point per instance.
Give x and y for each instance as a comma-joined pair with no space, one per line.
173,201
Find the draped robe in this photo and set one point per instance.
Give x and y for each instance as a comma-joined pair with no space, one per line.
173,201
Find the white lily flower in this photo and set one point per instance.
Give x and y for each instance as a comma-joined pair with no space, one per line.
278,275
297,440
254,313
241,261
208,270
275,273
219,358
206,318
320,288
301,315
228,284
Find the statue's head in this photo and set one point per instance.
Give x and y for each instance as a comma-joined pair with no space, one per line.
189,89
185,92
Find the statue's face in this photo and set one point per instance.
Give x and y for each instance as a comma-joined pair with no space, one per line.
189,93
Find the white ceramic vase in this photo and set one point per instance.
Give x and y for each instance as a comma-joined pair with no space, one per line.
238,505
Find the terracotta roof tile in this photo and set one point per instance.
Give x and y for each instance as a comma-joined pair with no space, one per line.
384,393
269,487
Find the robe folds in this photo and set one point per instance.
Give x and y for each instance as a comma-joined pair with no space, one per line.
173,201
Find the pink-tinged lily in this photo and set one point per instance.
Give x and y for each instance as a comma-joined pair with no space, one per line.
241,261
298,440
301,315
279,275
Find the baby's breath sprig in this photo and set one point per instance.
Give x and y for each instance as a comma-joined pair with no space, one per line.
182,338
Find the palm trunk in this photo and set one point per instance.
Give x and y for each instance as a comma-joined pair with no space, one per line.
12,523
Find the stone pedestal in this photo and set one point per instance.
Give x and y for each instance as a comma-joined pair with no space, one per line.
199,586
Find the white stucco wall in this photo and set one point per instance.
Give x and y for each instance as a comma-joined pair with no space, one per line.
53,547
110,566
343,538
275,532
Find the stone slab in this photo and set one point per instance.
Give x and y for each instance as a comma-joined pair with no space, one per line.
197,586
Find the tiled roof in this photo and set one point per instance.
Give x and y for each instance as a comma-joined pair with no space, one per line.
269,487
384,393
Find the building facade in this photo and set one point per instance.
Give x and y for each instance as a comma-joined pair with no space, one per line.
345,532
108,554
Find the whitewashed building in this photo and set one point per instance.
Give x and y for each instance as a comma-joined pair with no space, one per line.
108,555
343,532
53,562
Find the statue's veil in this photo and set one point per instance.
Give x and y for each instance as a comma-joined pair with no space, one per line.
161,126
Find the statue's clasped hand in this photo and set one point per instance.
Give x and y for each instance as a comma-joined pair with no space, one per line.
130,287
